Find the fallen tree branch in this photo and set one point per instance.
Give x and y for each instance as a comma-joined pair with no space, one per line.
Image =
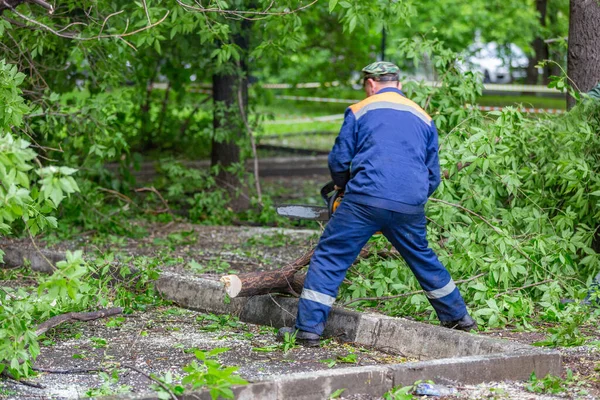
162,199
69,371
24,383
524,287
76,316
404,294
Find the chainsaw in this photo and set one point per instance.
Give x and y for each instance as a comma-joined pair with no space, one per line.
331,197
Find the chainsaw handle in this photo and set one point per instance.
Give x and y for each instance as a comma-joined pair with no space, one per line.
325,190
331,200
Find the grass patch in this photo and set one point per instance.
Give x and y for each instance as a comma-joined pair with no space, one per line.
307,140
309,126
524,100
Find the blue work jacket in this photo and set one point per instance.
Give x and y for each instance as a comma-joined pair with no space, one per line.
386,154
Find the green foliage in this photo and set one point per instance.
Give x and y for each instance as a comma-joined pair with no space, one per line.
549,385
22,197
289,341
64,290
221,322
215,266
446,101
336,394
210,374
400,393
568,333
206,201
169,382
136,290
110,386
518,203
350,358
74,286
115,322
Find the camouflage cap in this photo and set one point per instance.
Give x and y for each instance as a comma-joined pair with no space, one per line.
380,68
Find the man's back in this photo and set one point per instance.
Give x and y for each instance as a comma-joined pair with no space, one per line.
391,144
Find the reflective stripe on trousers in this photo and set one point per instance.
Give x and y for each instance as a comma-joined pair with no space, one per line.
345,235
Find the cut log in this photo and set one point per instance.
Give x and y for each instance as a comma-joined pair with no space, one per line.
284,280
255,283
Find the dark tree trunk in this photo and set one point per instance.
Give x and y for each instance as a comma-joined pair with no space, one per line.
227,122
163,111
583,61
539,46
145,131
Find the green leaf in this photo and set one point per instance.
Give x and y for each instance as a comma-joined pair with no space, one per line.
56,195
332,4
352,23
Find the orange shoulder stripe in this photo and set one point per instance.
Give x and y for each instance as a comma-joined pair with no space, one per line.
390,97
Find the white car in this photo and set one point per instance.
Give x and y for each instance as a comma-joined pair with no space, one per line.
497,64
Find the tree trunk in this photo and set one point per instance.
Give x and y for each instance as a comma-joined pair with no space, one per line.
539,46
145,131
227,122
583,61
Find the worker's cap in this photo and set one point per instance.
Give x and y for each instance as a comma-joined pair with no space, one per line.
381,71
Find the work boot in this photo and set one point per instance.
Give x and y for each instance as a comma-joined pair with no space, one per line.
466,324
304,338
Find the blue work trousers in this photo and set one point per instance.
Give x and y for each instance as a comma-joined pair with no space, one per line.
347,232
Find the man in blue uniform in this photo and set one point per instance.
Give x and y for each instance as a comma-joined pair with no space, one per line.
386,161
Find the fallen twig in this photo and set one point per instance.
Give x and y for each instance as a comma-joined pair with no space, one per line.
156,192
524,287
24,383
76,316
69,371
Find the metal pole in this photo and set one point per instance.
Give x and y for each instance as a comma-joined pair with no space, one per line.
383,35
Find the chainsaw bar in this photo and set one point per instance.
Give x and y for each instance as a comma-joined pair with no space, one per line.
297,211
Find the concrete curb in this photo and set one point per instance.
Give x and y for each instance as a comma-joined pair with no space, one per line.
451,356
15,258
